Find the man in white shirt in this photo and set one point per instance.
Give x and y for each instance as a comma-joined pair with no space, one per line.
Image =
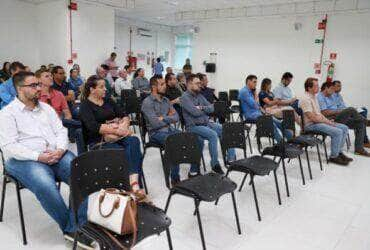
121,83
34,143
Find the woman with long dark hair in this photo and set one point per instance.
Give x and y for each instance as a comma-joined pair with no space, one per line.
105,125
5,72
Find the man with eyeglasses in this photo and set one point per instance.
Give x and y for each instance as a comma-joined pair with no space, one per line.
251,109
196,110
34,143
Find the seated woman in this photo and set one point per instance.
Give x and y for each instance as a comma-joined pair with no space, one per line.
105,125
271,105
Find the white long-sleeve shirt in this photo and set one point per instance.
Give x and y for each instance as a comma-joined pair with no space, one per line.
121,84
25,134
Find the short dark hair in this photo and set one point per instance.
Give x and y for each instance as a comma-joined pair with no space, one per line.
249,78
168,77
326,85
191,77
18,79
40,71
55,69
126,67
113,54
158,59
16,65
265,83
336,81
72,69
287,75
104,66
154,80
201,76
309,83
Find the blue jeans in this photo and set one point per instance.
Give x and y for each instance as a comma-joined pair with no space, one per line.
338,135
160,138
211,132
40,178
133,155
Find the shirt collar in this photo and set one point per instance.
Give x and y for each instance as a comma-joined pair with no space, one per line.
22,107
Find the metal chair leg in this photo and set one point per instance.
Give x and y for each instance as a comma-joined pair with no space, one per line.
168,202
255,198
75,241
204,164
243,181
249,142
21,214
286,178
236,213
277,187
319,156
308,163
169,240
3,198
301,168
196,202
326,151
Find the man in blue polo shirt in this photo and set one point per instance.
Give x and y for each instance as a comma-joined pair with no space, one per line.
7,89
332,109
251,109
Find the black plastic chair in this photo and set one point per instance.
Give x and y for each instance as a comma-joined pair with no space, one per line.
101,169
304,141
131,104
221,111
282,150
316,134
7,178
184,149
223,96
233,137
234,97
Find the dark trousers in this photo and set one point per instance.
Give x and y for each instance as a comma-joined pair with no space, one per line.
355,121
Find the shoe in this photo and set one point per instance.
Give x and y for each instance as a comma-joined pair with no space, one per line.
175,182
344,157
368,123
192,175
367,145
363,152
83,241
338,160
217,169
72,140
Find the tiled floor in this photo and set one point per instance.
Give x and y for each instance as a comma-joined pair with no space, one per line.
331,212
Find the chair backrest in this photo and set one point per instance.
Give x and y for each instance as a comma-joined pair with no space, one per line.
143,128
289,120
130,102
233,136
80,141
300,113
220,110
224,97
233,94
264,128
181,148
95,170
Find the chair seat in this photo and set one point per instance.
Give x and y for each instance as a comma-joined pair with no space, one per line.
286,150
315,132
151,220
208,187
151,144
305,140
256,165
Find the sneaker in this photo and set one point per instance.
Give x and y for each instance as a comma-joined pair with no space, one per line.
217,169
338,160
367,145
83,241
362,152
192,175
344,157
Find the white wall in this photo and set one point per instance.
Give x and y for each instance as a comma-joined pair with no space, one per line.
270,46
19,37
161,41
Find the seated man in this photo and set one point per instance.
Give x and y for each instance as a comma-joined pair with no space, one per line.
160,117
338,99
207,92
284,94
196,110
75,81
7,89
173,92
251,109
122,82
57,100
35,143
347,116
66,88
315,121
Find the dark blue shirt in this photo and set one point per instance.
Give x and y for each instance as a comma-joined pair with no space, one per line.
209,94
262,95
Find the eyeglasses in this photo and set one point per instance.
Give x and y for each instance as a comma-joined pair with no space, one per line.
32,85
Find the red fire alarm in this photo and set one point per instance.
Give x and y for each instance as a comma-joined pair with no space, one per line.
318,72
333,56
322,25
73,6
70,61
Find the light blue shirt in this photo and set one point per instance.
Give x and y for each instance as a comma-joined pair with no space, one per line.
330,102
250,108
7,92
338,99
158,68
283,92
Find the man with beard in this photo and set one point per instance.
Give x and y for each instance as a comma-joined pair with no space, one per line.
160,118
251,109
196,110
284,93
35,144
